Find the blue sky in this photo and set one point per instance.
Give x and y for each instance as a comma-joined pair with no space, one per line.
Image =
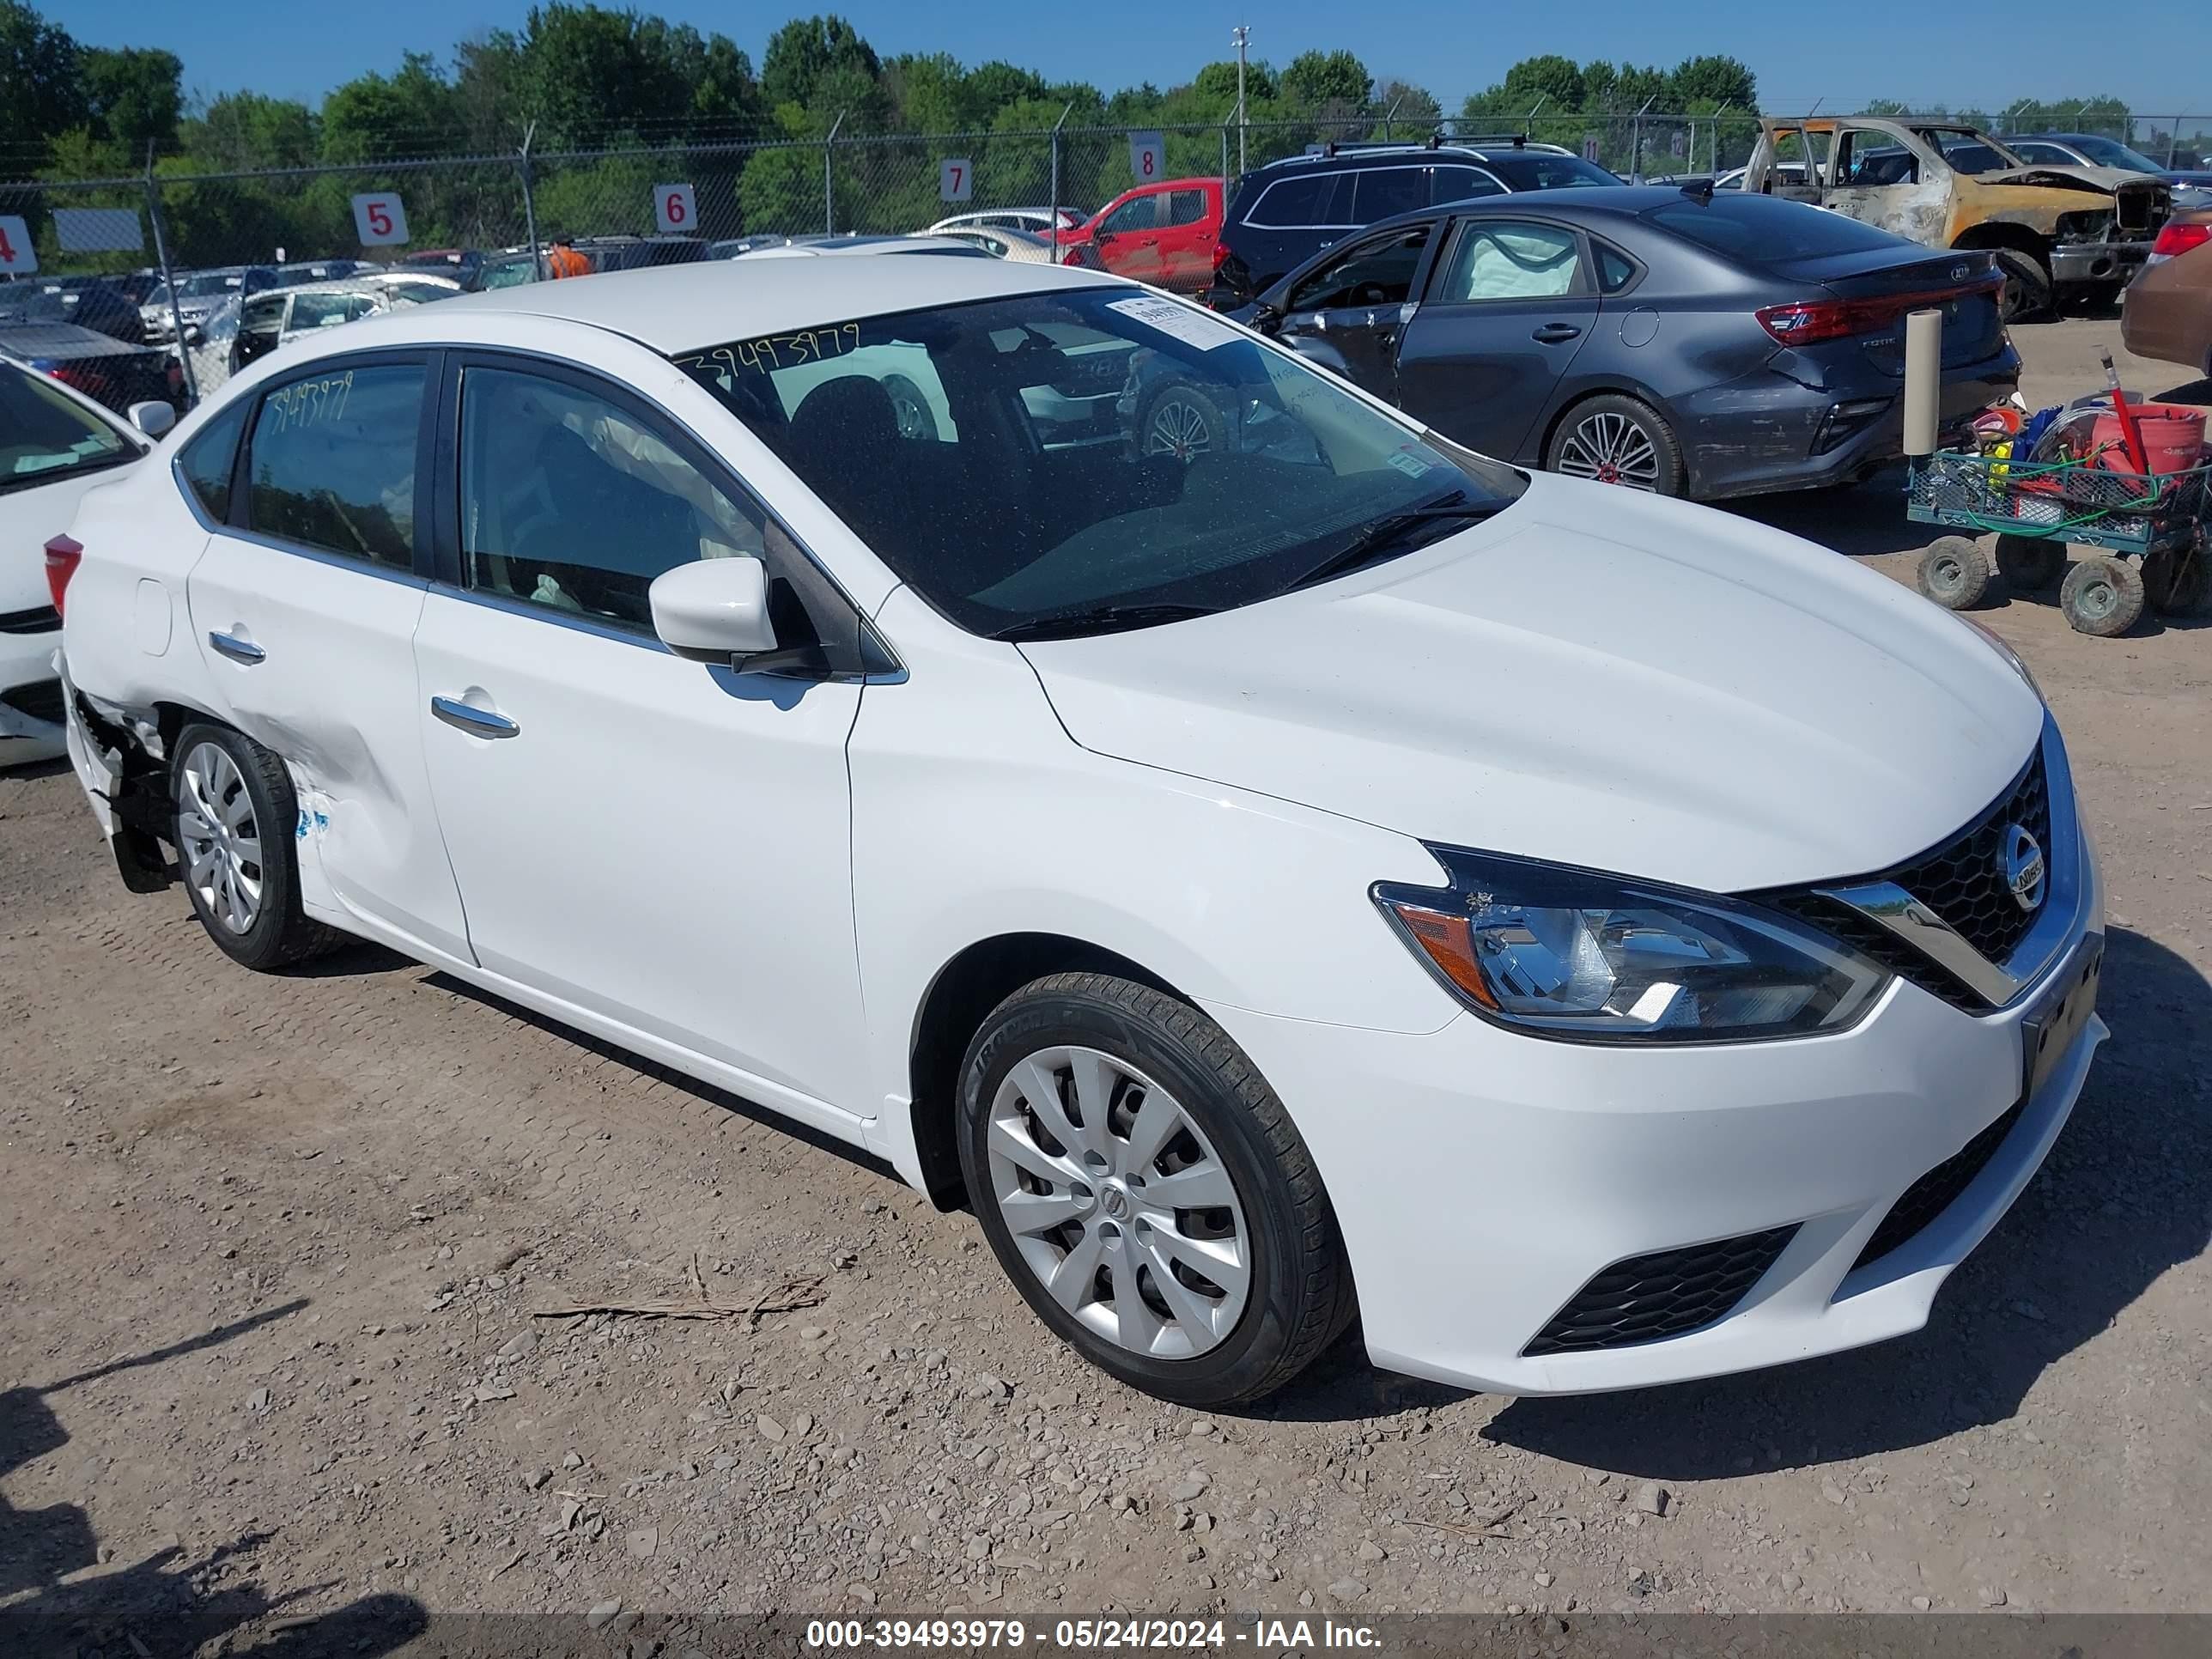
1962,54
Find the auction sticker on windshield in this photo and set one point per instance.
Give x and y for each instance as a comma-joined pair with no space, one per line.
1191,327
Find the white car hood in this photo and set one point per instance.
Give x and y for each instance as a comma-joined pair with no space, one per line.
1595,677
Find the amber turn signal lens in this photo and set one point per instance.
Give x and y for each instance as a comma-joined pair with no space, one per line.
1449,943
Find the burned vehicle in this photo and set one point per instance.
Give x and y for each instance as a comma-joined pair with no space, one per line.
2059,232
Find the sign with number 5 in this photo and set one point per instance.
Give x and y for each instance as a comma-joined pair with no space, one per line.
956,178
380,219
17,253
675,208
1147,156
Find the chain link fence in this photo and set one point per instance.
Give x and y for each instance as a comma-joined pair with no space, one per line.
493,217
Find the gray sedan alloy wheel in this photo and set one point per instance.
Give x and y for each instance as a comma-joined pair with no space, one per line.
1118,1203
1610,448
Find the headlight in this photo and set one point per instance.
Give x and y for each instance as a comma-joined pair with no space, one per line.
1578,955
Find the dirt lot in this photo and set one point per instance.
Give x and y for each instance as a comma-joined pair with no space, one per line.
273,1247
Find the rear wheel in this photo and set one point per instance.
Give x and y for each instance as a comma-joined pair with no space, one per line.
2030,564
1618,439
234,816
2102,597
1954,572
1183,423
1147,1194
2178,582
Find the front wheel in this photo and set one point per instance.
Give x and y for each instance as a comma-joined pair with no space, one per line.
1618,439
1147,1192
234,814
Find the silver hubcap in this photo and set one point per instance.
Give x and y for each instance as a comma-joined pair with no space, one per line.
1612,449
220,840
1119,1204
1178,428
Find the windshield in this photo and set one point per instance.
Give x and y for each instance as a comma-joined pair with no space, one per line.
1019,461
2110,153
44,433
1535,170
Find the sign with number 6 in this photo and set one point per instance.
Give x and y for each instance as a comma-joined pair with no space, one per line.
1147,156
675,208
956,178
17,253
380,219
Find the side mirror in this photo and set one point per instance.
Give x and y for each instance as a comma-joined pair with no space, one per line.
713,610
152,418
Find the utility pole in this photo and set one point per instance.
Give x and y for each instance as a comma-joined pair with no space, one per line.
1240,37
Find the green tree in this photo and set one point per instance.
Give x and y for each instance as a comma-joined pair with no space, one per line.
1712,81
992,86
807,49
588,73
243,129
133,97
1317,80
1551,79
41,71
1418,110
376,116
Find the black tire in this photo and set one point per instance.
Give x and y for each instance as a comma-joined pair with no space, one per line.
279,932
2027,294
2030,564
2179,582
1953,574
916,420
1184,423
2103,597
1577,451
1300,1295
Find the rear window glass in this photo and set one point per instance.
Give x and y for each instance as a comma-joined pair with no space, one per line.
1290,202
1461,183
205,463
1383,192
1763,230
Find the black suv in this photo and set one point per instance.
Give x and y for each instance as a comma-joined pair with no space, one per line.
1281,215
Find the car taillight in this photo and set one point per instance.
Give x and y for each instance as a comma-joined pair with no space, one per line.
1220,255
1808,322
2176,238
63,555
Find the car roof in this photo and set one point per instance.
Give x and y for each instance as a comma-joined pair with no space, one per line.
676,309
1377,156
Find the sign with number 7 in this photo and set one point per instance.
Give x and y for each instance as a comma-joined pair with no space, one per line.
956,179
16,253
380,219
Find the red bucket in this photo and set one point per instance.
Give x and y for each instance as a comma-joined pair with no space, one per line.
2173,439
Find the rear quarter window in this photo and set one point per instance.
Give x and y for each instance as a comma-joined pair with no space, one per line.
1289,203
205,463
1763,230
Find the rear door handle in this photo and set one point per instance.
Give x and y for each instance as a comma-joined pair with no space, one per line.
1554,333
236,649
476,722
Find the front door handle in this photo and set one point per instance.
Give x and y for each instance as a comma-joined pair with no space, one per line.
236,649
1554,333
476,722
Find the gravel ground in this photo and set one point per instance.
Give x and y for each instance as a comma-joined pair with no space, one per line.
274,1247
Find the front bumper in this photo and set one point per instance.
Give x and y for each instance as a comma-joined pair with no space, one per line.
1482,1178
2097,264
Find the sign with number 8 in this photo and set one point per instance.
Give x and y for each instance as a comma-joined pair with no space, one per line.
17,252
1147,153
675,208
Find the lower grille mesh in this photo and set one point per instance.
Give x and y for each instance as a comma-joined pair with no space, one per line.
1648,1298
1938,1190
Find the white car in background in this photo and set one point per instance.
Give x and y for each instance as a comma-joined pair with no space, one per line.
1603,941
55,444
1036,221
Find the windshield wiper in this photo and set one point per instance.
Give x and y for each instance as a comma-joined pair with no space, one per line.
1099,619
1386,534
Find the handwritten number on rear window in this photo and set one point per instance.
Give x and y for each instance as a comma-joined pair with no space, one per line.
773,351
304,402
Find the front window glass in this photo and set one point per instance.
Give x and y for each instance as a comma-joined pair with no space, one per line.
568,501
1289,203
1379,272
2110,153
331,462
1500,259
1102,458
44,434
1383,192
1140,214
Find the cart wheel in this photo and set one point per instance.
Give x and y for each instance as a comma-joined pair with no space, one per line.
2102,597
1954,572
2178,582
2030,564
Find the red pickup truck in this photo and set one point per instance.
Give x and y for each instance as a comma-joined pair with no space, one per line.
1163,233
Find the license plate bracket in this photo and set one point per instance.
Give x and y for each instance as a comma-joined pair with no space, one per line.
2060,1014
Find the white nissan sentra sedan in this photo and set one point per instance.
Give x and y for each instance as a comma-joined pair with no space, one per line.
1303,869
